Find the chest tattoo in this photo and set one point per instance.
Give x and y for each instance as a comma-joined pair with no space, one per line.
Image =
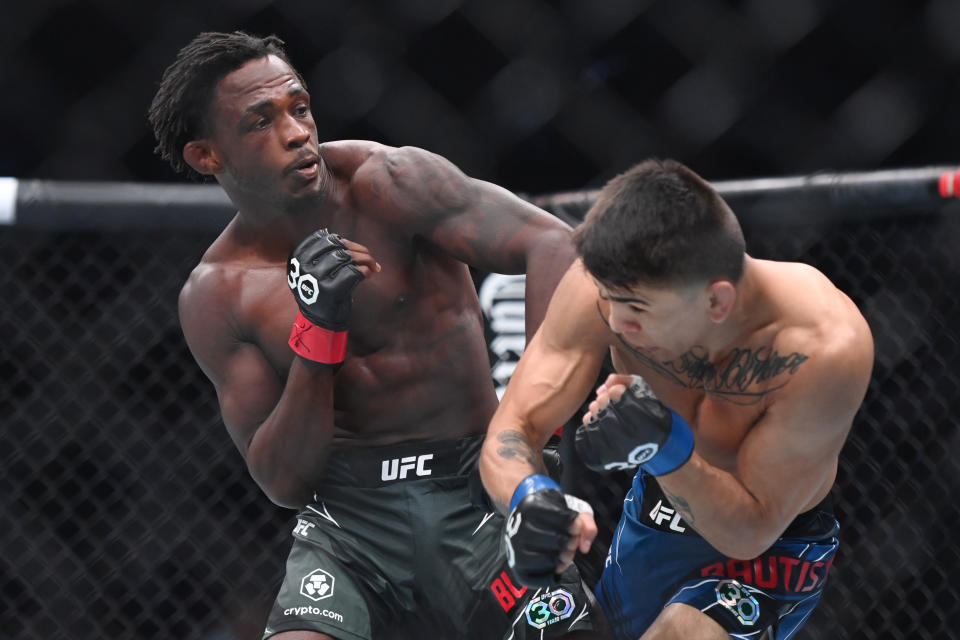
735,379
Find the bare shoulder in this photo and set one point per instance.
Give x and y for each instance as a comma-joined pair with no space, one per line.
344,157
208,297
205,294
412,179
364,160
576,313
207,280
827,328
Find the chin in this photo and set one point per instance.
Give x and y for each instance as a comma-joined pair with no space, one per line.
306,197
643,347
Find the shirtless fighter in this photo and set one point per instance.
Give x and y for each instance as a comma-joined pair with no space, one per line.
337,318
737,381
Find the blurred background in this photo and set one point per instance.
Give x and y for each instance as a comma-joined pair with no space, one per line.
127,513
536,95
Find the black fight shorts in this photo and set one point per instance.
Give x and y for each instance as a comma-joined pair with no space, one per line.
393,547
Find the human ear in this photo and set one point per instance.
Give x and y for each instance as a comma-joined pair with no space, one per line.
721,294
202,157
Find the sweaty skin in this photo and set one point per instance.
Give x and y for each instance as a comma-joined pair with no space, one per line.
417,366
768,377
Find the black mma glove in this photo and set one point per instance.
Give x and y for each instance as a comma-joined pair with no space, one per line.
552,460
322,276
636,430
537,530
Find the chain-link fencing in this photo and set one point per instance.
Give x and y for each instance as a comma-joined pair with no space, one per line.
128,513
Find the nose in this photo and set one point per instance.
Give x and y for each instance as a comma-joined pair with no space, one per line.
620,322
296,133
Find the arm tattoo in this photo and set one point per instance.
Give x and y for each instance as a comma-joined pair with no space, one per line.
682,507
514,445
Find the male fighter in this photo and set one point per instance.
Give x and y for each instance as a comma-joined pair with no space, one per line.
338,321
737,382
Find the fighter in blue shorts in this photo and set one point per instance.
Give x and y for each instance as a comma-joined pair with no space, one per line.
744,378
656,559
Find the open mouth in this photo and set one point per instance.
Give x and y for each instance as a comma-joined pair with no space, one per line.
306,167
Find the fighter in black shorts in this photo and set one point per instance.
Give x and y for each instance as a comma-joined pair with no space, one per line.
393,543
337,318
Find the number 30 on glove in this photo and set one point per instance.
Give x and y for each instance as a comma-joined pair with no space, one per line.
636,430
322,276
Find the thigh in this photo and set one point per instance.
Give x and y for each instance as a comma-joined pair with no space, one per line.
651,569
644,569
467,579
348,574
318,594
682,622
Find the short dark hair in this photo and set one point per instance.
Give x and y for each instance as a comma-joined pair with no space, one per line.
179,111
660,224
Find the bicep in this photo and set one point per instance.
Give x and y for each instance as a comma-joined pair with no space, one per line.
792,451
247,386
248,390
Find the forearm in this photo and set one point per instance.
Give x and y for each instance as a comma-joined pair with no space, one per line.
287,454
509,455
721,509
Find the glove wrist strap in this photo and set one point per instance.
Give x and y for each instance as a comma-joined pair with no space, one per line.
528,485
315,343
675,451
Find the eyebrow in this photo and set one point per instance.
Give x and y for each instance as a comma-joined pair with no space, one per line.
624,299
266,104
629,299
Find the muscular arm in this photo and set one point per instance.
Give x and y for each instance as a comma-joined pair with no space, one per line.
481,224
785,460
282,430
554,376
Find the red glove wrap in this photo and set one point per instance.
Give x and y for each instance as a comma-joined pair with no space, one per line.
316,343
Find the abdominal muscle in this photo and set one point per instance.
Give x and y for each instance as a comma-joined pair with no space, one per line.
433,383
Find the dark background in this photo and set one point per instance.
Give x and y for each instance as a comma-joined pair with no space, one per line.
538,96
125,511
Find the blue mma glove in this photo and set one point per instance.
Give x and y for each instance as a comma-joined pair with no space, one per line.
636,430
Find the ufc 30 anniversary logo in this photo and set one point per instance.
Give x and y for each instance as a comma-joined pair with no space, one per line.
304,284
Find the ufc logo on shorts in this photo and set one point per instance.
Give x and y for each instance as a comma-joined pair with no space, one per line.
398,468
302,528
662,513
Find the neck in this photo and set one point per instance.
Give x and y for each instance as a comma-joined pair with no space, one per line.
274,227
272,233
745,319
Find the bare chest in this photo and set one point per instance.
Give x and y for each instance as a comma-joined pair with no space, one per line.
392,308
720,411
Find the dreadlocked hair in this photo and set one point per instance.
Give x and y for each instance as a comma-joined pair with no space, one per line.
179,111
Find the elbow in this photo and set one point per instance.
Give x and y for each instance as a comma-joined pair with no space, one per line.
484,464
285,496
740,551
490,491
555,243
745,546
282,489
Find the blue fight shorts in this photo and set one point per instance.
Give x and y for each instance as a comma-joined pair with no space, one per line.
656,559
